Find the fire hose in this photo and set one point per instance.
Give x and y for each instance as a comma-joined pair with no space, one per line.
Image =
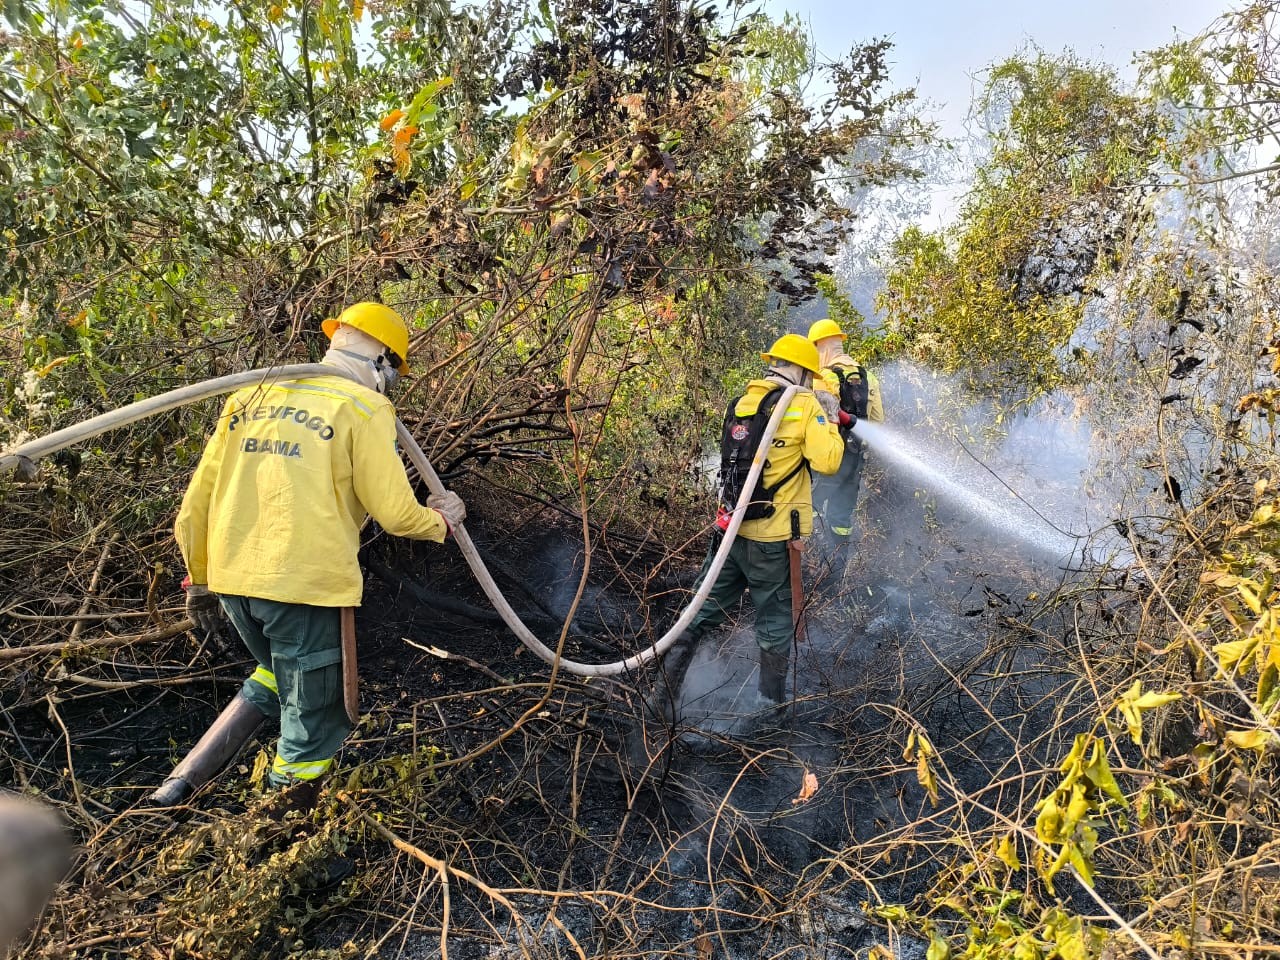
162,403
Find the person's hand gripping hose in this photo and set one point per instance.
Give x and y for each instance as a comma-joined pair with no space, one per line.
450,506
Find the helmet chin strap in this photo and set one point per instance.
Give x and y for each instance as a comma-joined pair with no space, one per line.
374,372
388,374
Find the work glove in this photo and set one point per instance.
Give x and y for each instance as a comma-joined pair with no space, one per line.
830,403
204,609
24,469
450,506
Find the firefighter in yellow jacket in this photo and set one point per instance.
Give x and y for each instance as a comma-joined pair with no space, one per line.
858,394
807,438
270,529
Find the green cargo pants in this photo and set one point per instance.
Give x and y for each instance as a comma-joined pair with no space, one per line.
836,496
762,568
298,679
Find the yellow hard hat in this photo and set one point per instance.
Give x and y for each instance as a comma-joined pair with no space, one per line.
826,328
378,321
794,348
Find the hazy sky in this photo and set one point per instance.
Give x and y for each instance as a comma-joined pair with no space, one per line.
940,45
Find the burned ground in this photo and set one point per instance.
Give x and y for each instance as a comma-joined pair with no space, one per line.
500,814
551,829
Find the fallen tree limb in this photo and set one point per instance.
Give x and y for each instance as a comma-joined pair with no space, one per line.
16,653
447,655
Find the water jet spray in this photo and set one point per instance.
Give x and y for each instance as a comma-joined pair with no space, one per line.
1017,520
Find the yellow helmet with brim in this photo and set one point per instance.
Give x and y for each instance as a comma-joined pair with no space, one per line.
378,321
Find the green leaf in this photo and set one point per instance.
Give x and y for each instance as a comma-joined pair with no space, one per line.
416,110
892,912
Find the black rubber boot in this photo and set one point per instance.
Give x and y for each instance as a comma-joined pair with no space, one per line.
220,743
660,705
773,676
328,873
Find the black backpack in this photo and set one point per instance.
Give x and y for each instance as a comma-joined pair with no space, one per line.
855,390
739,440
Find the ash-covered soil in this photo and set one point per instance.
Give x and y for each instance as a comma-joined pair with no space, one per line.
733,832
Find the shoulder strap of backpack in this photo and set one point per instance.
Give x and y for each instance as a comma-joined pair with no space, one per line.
774,488
768,402
728,416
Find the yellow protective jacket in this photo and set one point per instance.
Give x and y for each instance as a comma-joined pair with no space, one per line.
804,433
831,384
275,507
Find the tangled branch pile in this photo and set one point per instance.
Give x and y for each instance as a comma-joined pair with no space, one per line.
583,208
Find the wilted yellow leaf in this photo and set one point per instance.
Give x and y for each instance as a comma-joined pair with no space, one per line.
1079,857
1077,807
920,750
1132,704
1234,651
1219,578
1248,591
1149,701
939,949
390,120
1249,739
1099,774
51,366
261,764
1007,853
1049,820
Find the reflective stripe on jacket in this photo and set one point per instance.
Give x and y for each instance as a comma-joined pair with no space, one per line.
831,383
275,507
804,433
